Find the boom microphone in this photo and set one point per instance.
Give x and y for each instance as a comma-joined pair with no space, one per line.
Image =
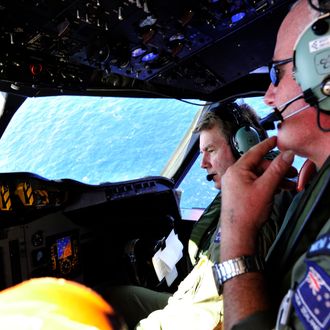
268,122
209,177
283,106
296,112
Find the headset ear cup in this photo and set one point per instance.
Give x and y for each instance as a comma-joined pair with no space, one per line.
309,72
244,139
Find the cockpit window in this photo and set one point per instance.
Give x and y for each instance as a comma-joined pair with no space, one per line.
94,139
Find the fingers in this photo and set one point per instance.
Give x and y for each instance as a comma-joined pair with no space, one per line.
254,156
271,174
278,168
290,181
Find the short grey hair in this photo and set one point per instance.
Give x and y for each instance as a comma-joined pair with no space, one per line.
221,117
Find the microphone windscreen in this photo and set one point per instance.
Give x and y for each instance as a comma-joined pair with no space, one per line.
209,177
267,122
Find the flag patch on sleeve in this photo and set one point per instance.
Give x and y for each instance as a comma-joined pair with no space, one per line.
312,298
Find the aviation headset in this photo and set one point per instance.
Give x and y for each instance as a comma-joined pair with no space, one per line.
245,136
311,63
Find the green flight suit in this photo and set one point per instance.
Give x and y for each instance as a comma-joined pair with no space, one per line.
300,259
196,304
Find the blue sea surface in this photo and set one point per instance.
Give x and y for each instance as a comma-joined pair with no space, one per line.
94,139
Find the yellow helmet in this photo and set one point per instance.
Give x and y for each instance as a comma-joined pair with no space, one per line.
52,303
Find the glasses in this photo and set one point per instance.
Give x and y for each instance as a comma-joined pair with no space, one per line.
274,71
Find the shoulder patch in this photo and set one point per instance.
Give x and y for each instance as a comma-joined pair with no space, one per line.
311,300
321,246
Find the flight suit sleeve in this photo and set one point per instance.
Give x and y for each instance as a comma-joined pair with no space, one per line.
270,229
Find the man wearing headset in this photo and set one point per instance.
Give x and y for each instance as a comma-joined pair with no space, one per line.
225,133
293,292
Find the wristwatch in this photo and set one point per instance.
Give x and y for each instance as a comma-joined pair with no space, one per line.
231,268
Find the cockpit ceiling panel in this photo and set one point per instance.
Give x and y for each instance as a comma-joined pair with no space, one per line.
175,48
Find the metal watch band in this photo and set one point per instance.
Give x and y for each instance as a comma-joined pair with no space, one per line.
228,269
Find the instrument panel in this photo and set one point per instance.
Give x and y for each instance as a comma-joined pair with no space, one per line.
64,228
26,195
91,46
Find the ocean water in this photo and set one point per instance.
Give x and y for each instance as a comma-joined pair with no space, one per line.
93,139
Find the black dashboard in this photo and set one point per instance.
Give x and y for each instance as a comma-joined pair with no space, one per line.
66,228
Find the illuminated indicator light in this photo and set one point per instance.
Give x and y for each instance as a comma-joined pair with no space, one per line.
41,197
5,202
148,21
35,68
237,17
138,52
149,57
64,247
177,37
25,193
29,193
